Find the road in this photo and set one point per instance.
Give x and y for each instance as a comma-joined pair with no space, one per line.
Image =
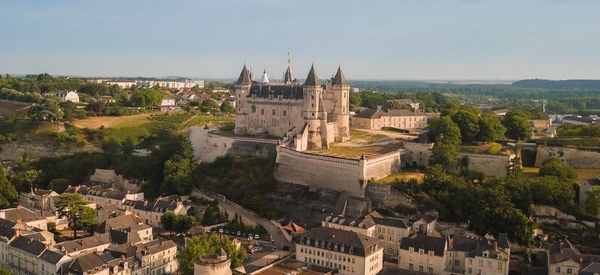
279,240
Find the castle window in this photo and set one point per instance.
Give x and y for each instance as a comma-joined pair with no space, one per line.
253,108
274,112
344,95
284,113
313,114
262,111
312,96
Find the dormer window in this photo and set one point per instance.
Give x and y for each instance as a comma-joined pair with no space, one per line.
329,245
316,243
322,244
351,250
342,248
335,247
302,240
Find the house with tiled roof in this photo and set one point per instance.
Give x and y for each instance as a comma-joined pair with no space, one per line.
349,252
107,211
423,253
25,255
150,212
38,199
471,254
26,216
97,242
565,258
379,118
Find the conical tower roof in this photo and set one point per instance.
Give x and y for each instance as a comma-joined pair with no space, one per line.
244,78
312,79
265,78
287,77
339,78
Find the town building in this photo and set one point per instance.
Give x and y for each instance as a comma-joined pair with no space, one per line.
564,258
289,265
587,185
38,199
308,116
347,251
468,254
107,211
26,216
423,253
150,212
65,96
400,119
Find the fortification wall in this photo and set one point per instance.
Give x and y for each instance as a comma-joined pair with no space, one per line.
382,166
416,154
333,173
491,165
569,156
208,145
385,196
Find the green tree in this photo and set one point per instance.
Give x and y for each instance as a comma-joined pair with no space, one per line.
227,108
167,221
551,190
447,141
8,193
47,110
490,128
183,223
592,203
517,125
177,175
468,123
74,208
209,105
554,167
59,185
207,245
5,272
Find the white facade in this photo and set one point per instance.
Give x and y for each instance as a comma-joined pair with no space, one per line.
68,96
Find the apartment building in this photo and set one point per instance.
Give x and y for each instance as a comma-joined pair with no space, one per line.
423,253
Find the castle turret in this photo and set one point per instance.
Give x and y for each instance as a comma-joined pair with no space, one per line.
265,78
242,90
341,112
314,114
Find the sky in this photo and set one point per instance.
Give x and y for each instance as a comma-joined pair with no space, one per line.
381,39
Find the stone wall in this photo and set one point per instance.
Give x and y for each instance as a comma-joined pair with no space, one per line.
569,156
385,196
209,145
416,154
339,174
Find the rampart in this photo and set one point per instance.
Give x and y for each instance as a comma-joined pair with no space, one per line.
335,173
209,145
569,156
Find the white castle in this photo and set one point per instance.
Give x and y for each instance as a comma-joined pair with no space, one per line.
306,116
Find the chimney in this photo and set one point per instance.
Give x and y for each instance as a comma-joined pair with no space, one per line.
495,246
19,221
43,213
415,109
477,245
562,246
379,107
122,257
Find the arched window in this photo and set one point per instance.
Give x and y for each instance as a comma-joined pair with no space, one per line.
274,112
253,108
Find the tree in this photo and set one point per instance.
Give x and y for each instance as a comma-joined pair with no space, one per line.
227,108
209,105
551,190
167,221
183,223
177,175
208,245
447,141
8,193
59,185
74,208
517,125
592,203
468,123
554,167
490,128
5,272
48,110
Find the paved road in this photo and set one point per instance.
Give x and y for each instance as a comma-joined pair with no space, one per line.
279,239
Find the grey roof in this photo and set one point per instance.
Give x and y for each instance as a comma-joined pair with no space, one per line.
591,269
126,221
339,78
360,244
109,207
312,79
428,218
371,113
22,213
593,182
84,243
244,78
28,245
425,242
287,77
51,256
161,205
503,240
6,228
365,222
85,262
394,222
286,91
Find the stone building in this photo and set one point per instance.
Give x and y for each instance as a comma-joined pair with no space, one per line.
306,116
219,264
400,119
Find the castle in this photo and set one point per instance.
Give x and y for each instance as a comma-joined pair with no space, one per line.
306,116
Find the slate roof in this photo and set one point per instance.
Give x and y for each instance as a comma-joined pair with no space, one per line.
360,244
28,245
371,113
593,182
125,221
287,91
312,79
425,242
22,213
51,256
339,78
244,78
591,269
365,222
84,262
84,243
393,222
109,208
160,205
6,228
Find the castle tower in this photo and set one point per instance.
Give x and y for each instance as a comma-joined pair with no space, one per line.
314,115
341,112
218,264
287,76
242,90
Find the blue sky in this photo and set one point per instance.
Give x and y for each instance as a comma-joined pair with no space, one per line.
395,39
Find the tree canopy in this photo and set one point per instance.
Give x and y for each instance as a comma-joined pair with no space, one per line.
8,193
74,208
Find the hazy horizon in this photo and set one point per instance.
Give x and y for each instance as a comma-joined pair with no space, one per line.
390,40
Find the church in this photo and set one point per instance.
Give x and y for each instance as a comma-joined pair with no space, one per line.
306,116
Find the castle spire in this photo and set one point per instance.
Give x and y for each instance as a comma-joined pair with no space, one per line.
312,79
287,76
339,78
265,78
244,78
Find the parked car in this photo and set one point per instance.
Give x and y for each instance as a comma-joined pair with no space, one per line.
256,237
221,231
239,233
226,231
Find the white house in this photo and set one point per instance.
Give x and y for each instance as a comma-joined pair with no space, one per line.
68,96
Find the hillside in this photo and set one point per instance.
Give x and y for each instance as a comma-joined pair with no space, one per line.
571,84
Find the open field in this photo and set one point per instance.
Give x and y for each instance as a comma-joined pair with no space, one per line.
8,108
582,174
403,176
112,122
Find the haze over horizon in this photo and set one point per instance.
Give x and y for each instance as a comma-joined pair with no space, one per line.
404,40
